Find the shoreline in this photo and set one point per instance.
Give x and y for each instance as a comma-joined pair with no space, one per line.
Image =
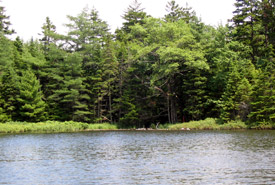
71,127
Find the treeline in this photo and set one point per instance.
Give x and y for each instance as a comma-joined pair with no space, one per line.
168,70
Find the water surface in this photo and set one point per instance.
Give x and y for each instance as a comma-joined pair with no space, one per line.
185,157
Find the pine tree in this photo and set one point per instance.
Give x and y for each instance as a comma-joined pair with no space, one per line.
4,23
176,13
133,16
248,27
263,102
86,32
8,93
229,99
52,79
268,20
236,99
6,52
7,80
71,98
48,33
87,37
107,79
30,98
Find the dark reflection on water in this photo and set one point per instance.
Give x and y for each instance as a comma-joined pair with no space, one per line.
203,157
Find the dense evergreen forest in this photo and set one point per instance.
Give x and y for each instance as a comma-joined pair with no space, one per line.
151,70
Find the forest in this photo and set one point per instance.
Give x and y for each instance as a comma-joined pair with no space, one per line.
150,71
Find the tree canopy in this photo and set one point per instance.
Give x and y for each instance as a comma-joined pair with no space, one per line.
150,71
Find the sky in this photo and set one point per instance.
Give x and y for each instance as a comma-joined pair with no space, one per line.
28,16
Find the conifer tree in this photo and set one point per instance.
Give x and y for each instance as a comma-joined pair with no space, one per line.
106,85
248,27
86,37
133,16
8,94
263,104
52,80
176,13
71,97
236,99
48,33
30,98
6,52
268,21
4,23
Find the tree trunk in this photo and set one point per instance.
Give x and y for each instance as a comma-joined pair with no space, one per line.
110,104
171,104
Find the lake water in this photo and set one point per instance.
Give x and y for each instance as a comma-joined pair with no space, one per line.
122,157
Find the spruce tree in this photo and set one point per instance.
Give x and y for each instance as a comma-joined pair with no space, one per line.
133,16
48,33
268,20
52,80
176,13
6,52
70,98
263,102
4,23
87,37
8,93
248,27
107,79
30,98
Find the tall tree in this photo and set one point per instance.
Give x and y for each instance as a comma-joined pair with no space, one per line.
48,35
268,20
263,104
8,94
176,13
86,32
248,26
169,51
30,98
6,52
4,22
134,15
106,82
72,96
51,80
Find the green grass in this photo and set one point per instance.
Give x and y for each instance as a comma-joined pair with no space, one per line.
71,126
102,126
208,124
263,126
52,127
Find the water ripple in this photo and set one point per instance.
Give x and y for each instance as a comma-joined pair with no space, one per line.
195,157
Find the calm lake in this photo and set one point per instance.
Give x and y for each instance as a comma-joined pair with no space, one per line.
131,157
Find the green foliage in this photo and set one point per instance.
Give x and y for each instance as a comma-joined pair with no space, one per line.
102,126
4,23
9,92
151,70
133,16
71,94
30,98
176,13
42,127
49,36
208,124
5,53
263,103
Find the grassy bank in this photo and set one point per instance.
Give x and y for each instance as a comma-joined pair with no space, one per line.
70,126
208,124
52,127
